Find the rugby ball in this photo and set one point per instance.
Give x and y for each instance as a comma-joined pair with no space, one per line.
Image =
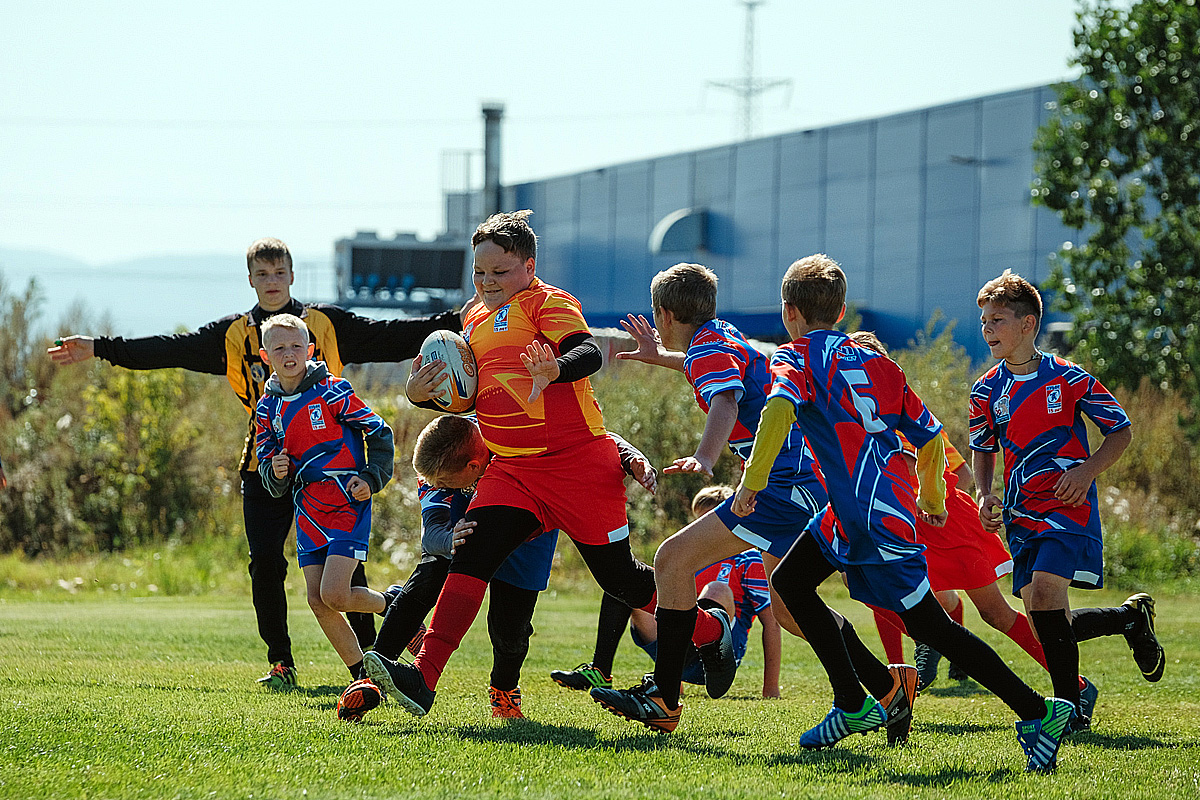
453,350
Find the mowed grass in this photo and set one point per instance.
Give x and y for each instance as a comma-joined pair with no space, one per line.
108,697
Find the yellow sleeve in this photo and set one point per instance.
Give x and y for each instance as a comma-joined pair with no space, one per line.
931,469
954,459
778,416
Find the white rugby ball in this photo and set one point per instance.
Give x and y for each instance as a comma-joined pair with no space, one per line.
453,350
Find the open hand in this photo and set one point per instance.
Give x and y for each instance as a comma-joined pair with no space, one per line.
542,365
462,529
689,464
424,380
649,343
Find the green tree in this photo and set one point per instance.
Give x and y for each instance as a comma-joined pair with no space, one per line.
1119,160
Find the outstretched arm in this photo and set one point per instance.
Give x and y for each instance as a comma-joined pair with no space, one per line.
722,416
649,345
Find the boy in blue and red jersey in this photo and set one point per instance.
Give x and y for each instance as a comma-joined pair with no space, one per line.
730,379
851,402
309,433
1032,405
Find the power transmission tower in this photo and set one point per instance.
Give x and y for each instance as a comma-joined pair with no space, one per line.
748,87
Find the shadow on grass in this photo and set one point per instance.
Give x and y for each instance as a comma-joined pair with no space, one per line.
958,728
1120,741
966,688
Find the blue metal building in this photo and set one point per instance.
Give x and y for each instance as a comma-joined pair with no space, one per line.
919,209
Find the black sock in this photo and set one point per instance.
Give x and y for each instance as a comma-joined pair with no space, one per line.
823,635
675,629
1090,623
356,671
872,672
510,624
610,627
927,622
1061,649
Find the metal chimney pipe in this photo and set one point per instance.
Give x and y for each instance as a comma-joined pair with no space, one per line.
493,112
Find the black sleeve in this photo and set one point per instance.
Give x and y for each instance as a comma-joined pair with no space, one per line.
627,452
363,341
199,351
580,358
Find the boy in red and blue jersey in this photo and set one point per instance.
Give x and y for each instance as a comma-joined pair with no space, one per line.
730,379
850,403
309,433
1032,405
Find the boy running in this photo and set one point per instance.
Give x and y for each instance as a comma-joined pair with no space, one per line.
850,403
553,465
310,429
1032,405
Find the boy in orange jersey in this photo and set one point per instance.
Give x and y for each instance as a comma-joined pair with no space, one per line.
554,465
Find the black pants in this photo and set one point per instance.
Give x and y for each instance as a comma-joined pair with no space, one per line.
268,520
510,619
502,529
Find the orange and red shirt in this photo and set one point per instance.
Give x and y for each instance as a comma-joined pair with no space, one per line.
564,414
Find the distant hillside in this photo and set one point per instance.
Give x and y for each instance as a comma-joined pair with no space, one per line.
150,295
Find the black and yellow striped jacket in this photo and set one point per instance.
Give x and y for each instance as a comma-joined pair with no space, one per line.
229,346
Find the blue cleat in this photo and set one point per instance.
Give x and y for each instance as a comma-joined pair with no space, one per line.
839,724
1082,719
1040,738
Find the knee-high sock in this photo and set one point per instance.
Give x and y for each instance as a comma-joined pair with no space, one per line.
1062,652
1022,634
891,631
675,633
610,627
1090,623
870,670
456,609
927,622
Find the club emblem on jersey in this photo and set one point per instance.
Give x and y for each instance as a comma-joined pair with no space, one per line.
1053,398
501,321
1000,409
315,417
258,372
277,425
723,575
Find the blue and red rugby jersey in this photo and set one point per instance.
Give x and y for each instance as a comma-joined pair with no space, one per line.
747,579
850,402
719,359
1038,421
322,426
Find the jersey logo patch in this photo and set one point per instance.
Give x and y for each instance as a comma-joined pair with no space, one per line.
723,575
315,417
1053,398
1000,409
258,372
501,322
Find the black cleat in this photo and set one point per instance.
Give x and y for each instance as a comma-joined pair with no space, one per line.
720,664
642,704
401,682
585,677
1147,652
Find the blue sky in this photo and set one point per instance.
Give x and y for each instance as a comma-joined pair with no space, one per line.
148,128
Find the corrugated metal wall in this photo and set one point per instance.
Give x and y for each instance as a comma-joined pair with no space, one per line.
919,208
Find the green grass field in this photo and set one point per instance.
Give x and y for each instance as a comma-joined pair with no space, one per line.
106,697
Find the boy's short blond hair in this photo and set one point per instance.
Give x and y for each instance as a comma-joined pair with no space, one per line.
446,445
816,286
688,291
268,250
1012,291
869,340
288,322
709,498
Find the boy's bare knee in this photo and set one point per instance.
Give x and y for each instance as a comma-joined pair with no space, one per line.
336,598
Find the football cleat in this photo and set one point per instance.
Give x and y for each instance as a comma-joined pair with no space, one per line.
642,703
584,677
1081,720
838,724
899,702
401,682
1147,652
359,698
505,704
927,660
1040,738
957,673
281,677
414,644
720,663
